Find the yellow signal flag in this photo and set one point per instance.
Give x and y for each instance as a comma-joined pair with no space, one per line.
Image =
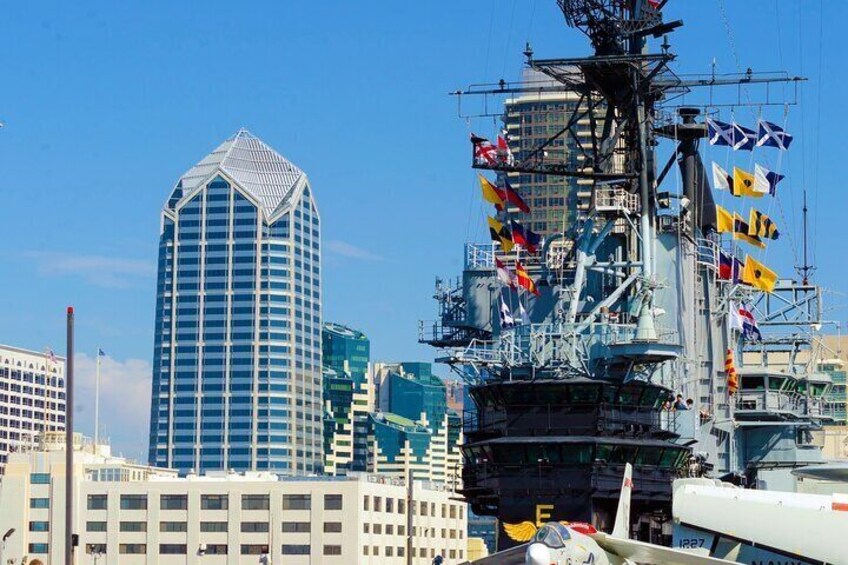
501,234
743,184
758,275
741,229
491,193
760,225
724,220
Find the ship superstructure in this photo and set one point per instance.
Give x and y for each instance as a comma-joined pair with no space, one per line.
575,347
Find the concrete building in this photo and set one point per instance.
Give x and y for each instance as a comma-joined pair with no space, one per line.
132,514
237,352
348,398
32,397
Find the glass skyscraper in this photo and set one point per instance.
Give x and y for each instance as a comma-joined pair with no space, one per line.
237,359
348,398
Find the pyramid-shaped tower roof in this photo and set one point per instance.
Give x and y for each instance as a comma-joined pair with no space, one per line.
252,164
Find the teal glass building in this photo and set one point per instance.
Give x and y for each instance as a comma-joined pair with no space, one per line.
237,380
346,354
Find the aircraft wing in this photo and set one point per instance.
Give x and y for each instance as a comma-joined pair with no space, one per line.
650,554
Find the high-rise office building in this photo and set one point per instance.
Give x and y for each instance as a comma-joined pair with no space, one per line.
530,119
413,400
32,397
348,398
237,359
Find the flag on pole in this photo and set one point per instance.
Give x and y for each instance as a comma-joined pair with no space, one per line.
501,234
744,139
513,198
485,153
491,193
504,152
743,184
524,279
101,353
724,220
721,178
741,231
765,181
730,371
507,321
771,135
522,314
504,274
527,239
719,133
758,275
760,225
51,356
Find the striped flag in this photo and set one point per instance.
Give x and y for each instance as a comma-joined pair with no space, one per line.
730,370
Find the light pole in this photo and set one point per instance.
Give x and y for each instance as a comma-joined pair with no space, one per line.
6,536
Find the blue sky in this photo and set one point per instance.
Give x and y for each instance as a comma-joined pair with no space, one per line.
106,104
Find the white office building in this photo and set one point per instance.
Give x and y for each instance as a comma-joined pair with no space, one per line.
134,514
32,397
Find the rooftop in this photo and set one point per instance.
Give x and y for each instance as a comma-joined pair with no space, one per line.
252,164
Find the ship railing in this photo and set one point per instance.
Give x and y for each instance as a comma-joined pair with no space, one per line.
439,330
480,255
769,401
707,253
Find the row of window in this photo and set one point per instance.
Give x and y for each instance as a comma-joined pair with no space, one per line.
207,502
208,549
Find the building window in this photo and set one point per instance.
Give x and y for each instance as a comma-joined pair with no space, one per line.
401,551
297,502
39,503
132,548
173,526
290,549
390,505
296,527
332,502
378,504
390,529
255,502
254,527
378,528
253,549
366,504
213,526
99,548
364,550
389,551
38,548
375,550
133,502
332,549
39,478
41,526
97,502
216,549
172,548
332,527
401,506
366,528
133,526
214,502
173,502
95,526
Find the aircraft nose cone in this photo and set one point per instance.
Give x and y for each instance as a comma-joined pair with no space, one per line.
538,554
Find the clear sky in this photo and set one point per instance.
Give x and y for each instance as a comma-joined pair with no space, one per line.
105,104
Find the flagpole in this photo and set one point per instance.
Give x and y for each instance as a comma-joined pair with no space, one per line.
97,402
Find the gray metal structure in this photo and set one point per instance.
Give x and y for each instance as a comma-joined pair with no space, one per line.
634,295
